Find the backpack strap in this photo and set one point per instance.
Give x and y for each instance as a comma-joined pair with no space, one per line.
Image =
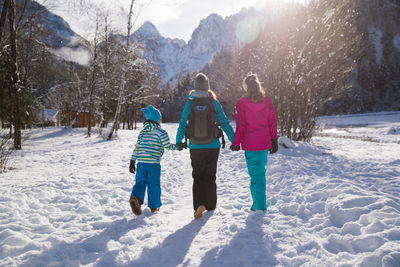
223,141
185,145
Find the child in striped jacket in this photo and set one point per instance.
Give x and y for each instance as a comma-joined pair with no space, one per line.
147,153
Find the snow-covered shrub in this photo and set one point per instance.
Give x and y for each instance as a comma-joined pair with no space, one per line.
303,57
394,130
285,142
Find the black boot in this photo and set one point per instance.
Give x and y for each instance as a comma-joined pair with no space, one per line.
135,205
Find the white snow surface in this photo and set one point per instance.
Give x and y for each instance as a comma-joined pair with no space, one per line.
331,202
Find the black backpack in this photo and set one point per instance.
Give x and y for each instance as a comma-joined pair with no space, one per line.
202,128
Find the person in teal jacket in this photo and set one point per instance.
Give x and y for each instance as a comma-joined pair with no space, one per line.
204,158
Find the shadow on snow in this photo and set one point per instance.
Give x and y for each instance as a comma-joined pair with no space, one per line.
172,250
82,252
251,246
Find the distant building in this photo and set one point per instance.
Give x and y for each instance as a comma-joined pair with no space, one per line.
54,117
81,119
50,117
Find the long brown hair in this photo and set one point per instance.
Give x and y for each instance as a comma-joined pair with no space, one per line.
253,88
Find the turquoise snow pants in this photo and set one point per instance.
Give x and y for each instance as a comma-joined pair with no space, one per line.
256,161
148,175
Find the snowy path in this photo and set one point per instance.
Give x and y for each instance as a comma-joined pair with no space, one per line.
335,202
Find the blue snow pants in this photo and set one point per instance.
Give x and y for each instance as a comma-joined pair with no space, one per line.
256,161
148,175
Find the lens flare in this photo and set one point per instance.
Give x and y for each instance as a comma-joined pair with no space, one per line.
247,30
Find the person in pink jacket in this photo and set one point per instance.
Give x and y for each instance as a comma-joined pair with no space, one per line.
257,135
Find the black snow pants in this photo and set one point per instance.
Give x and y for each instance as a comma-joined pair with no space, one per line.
204,164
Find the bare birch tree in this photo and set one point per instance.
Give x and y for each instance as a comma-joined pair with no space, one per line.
93,76
125,65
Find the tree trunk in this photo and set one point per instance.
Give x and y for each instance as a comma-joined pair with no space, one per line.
126,119
90,110
3,17
135,118
14,78
123,76
118,111
93,81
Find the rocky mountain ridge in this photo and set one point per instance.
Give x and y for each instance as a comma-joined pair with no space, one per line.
176,57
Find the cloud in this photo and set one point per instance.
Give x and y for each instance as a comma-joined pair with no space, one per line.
78,55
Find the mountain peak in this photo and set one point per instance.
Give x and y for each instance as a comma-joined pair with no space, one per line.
148,28
215,18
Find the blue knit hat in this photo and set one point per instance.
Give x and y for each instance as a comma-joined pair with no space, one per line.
151,113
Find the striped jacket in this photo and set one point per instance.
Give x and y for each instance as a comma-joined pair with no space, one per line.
151,143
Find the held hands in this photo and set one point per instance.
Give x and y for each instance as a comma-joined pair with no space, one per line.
274,143
235,148
132,167
179,146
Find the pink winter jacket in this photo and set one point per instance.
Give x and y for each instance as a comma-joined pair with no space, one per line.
255,124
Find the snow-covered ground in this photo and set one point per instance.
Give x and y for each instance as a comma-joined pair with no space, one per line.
332,202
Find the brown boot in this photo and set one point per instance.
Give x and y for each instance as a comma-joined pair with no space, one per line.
199,212
135,205
154,210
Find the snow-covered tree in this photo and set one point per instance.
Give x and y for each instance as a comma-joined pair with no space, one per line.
14,76
133,83
304,56
21,63
322,63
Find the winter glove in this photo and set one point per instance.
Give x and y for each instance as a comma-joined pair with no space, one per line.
235,148
274,148
132,167
179,146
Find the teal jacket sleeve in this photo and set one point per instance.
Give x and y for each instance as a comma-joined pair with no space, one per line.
182,123
223,120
